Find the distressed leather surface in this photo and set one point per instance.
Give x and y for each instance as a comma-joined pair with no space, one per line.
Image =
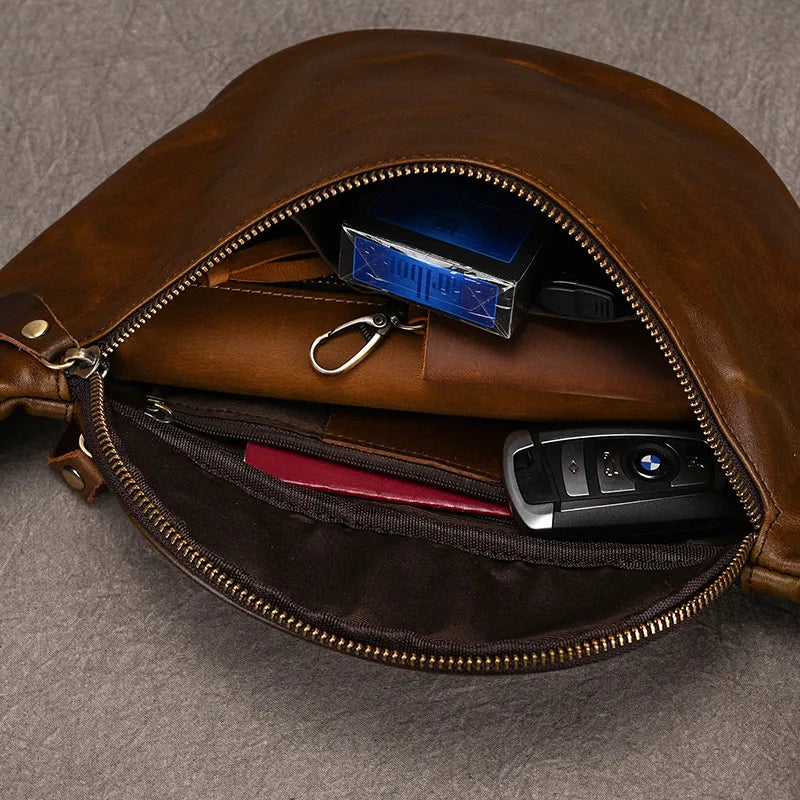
26,383
676,196
254,340
125,702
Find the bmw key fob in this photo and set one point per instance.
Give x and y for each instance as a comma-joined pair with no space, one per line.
631,484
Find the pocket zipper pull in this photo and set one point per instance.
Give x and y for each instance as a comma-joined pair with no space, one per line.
374,327
157,409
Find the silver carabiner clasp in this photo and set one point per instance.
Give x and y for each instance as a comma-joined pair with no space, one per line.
375,327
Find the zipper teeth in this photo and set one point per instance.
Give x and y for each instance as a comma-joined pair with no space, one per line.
552,657
744,491
482,490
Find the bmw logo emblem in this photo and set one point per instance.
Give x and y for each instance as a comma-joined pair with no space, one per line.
650,463
653,462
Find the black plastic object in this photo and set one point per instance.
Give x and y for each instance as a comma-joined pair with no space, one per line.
572,285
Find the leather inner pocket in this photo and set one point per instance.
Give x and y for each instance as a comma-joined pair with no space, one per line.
416,447
613,365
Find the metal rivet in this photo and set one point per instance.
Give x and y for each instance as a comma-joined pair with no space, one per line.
73,478
35,329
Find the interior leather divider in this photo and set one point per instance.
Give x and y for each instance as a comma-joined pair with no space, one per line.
255,341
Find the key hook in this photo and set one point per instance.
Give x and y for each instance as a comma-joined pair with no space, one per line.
380,324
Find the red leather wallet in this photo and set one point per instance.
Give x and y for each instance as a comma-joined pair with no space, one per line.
326,476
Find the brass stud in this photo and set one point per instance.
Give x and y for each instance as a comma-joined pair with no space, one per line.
35,329
73,478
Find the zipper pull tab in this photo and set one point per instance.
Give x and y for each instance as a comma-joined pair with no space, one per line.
82,362
157,409
374,327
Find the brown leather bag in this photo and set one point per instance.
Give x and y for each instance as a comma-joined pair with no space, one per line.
183,270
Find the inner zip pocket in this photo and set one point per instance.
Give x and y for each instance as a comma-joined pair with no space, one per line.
215,448
350,437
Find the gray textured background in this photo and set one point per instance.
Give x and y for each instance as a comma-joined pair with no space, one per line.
120,678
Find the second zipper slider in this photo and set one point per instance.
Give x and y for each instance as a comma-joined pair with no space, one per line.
374,327
156,408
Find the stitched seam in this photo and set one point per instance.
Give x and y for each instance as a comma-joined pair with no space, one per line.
59,389
763,537
18,399
250,418
57,376
776,571
290,296
228,411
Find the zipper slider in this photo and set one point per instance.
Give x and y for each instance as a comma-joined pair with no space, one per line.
82,362
157,409
374,327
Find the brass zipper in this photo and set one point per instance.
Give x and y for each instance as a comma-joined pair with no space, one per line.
219,580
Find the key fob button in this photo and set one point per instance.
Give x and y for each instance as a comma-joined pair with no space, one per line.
573,469
695,469
531,475
610,476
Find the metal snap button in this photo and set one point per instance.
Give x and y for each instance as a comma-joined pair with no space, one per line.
73,478
35,329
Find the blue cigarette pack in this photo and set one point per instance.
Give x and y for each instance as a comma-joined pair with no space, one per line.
461,248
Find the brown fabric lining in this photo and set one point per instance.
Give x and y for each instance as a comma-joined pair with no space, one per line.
417,589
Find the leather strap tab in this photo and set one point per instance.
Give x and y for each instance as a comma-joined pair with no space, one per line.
72,463
28,324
